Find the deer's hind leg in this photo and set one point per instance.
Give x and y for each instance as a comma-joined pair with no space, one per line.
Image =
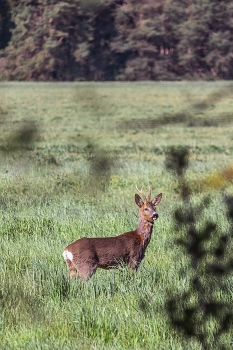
86,269
68,256
71,268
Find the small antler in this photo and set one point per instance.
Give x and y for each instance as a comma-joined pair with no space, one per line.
149,190
141,193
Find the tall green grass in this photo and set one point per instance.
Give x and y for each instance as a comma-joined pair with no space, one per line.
53,193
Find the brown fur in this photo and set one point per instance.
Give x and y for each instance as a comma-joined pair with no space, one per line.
92,253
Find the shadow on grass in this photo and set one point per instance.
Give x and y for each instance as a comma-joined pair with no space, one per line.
191,116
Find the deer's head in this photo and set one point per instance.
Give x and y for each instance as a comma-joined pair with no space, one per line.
148,207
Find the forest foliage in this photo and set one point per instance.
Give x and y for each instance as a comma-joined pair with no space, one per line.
116,40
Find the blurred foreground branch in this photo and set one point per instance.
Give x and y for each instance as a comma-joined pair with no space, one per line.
20,140
203,310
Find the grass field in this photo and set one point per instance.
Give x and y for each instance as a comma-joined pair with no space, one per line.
71,154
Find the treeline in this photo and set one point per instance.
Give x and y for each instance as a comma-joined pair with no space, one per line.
116,39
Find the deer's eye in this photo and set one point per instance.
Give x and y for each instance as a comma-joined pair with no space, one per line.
146,209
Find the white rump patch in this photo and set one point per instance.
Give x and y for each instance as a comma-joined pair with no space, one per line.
67,255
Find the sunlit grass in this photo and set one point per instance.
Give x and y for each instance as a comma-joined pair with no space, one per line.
51,195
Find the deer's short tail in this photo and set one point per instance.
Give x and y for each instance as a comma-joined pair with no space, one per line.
67,255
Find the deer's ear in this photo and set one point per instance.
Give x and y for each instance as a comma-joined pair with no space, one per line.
138,200
157,199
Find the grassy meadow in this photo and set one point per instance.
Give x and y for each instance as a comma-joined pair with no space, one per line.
71,154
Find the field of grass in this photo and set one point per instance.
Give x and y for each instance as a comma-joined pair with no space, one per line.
71,154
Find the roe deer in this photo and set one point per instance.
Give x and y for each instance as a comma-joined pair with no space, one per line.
87,254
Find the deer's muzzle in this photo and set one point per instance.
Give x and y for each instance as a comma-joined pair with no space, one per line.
155,216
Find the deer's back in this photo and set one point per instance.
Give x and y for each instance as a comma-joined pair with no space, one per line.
107,251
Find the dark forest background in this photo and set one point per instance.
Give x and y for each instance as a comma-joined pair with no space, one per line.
116,40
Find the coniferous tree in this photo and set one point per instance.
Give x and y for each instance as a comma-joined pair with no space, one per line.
47,41
204,38
5,23
61,40
116,39
143,40
102,63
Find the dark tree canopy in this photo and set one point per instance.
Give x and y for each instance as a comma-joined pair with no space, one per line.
116,39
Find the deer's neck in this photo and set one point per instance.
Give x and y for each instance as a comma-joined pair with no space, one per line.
144,229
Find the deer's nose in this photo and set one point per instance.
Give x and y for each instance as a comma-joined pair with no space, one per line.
155,216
